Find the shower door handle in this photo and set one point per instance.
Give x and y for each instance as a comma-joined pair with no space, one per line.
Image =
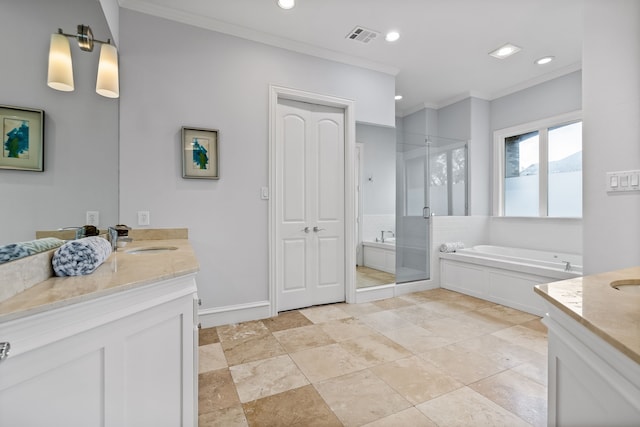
426,212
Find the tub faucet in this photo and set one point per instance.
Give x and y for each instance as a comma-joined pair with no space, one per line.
567,265
383,234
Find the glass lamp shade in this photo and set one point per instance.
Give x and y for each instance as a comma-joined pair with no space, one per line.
60,75
107,82
286,4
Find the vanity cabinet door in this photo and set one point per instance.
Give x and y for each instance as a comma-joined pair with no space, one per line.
133,370
45,387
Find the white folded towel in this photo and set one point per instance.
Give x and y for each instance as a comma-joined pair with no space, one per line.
449,247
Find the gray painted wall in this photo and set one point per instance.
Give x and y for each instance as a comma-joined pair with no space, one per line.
475,120
175,75
378,195
81,127
454,120
480,158
611,91
548,99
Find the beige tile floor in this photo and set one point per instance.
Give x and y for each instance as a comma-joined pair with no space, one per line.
367,277
432,358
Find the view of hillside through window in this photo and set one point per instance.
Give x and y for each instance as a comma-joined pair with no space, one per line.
564,164
565,171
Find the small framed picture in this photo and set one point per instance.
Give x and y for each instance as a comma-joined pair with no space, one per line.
200,153
22,138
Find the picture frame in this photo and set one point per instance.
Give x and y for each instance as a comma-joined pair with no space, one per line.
22,138
200,153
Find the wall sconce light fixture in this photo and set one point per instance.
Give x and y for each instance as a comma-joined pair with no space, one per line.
60,76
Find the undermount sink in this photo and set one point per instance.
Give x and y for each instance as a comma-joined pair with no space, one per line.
151,250
631,286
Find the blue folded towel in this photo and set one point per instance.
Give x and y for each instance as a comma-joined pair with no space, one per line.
22,249
42,245
13,251
80,257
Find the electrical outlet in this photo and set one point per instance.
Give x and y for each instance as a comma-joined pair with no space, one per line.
143,218
93,218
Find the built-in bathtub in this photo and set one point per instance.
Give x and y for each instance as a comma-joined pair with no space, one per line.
380,255
506,275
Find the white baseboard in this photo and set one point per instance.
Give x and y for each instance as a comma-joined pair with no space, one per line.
210,317
422,285
376,293
217,316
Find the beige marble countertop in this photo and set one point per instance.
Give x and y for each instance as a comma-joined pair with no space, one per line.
611,314
132,270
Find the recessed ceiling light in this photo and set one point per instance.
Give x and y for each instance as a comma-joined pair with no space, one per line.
398,97
392,36
286,4
505,51
545,60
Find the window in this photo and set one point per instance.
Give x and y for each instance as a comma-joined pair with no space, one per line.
539,169
448,178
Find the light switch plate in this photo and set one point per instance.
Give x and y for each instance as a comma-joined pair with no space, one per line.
623,181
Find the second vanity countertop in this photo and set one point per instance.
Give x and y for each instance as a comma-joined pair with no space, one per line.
611,314
133,269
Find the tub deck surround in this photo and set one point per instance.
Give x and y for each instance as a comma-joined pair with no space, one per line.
133,270
542,263
610,314
505,275
380,255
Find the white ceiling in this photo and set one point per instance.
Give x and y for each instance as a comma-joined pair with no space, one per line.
442,55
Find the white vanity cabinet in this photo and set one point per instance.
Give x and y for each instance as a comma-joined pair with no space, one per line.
127,358
590,382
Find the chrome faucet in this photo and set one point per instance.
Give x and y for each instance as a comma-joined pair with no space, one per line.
567,265
112,236
78,231
383,234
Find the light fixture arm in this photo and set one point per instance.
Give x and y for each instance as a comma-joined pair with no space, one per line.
84,36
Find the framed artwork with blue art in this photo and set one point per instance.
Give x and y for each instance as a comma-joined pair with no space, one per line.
200,153
22,138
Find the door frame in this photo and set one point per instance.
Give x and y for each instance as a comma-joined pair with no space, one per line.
280,92
359,161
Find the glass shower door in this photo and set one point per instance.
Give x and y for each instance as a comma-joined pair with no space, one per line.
412,209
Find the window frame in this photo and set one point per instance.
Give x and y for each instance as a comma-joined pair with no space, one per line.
542,127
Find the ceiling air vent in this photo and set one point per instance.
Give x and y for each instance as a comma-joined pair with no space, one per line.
362,35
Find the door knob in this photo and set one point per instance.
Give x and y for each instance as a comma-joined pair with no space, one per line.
316,229
306,229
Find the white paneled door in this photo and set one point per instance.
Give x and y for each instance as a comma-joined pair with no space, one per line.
310,227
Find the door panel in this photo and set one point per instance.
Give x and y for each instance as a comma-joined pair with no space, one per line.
294,261
412,219
293,166
330,171
310,265
329,275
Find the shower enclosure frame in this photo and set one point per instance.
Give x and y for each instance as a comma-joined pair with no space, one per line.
413,284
